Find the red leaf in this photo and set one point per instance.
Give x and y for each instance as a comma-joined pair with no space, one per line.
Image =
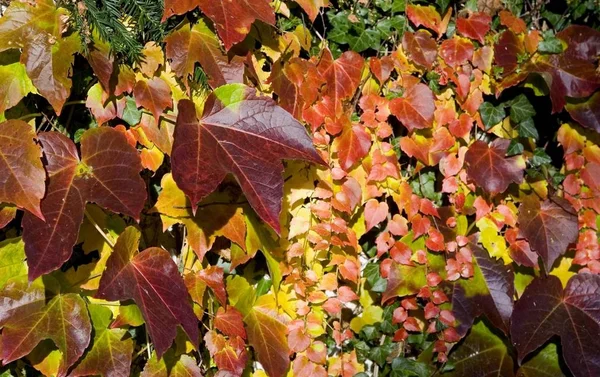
421,47
586,112
213,277
232,18
415,109
489,167
375,212
352,145
424,15
545,310
549,226
230,355
152,280
242,134
456,51
154,95
512,22
507,50
341,75
229,322
312,7
21,167
474,27
107,174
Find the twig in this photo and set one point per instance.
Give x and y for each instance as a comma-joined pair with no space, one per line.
95,224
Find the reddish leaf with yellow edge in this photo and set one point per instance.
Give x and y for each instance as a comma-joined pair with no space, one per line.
232,18
586,111
154,95
312,7
189,45
107,174
489,167
549,226
426,16
421,47
415,108
23,175
213,277
342,75
545,310
230,322
242,134
230,354
375,212
456,51
352,145
475,26
110,354
152,280
28,315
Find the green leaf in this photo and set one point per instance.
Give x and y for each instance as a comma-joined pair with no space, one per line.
514,148
550,44
131,114
367,38
14,85
403,367
520,109
12,259
543,364
540,157
527,129
491,115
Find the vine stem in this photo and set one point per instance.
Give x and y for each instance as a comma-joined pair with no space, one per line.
102,233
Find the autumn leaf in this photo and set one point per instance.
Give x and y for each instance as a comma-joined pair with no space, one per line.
489,167
230,354
456,51
415,108
545,310
110,354
546,362
342,75
549,226
29,316
352,145
426,16
154,95
312,7
230,322
421,47
232,19
242,134
21,167
14,85
586,111
107,174
475,26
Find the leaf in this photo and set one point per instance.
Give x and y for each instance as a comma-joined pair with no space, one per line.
545,310
154,95
521,109
474,27
229,354
489,292
242,134
12,260
110,354
14,85
416,107
426,16
488,167
456,51
267,335
375,212
481,354
586,111
352,145
544,364
421,47
189,45
232,18
342,75
230,322
507,51
30,316
312,7
170,366
152,280
549,226
491,115
107,174
23,175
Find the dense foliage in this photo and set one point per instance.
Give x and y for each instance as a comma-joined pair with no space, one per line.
299,188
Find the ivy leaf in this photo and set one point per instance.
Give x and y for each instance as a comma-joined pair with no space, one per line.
23,175
30,316
232,19
481,354
489,292
586,111
521,109
549,226
545,310
188,45
421,47
491,115
12,260
14,85
488,167
242,134
170,366
107,174
527,129
474,27
415,108
110,354
152,280
352,145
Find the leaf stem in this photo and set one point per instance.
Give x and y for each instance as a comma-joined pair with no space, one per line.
102,233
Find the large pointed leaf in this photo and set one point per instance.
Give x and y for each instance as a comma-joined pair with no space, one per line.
341,75
232,18
152,280
242,134
489,292
28,316
545,310
110,355
108,174
415,108
21,167
189,45
154,95
549,226
489,167
482,354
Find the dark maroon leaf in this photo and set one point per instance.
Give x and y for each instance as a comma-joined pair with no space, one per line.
152,280
545,310
586,111
507,50
243,134
107,174
489,167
